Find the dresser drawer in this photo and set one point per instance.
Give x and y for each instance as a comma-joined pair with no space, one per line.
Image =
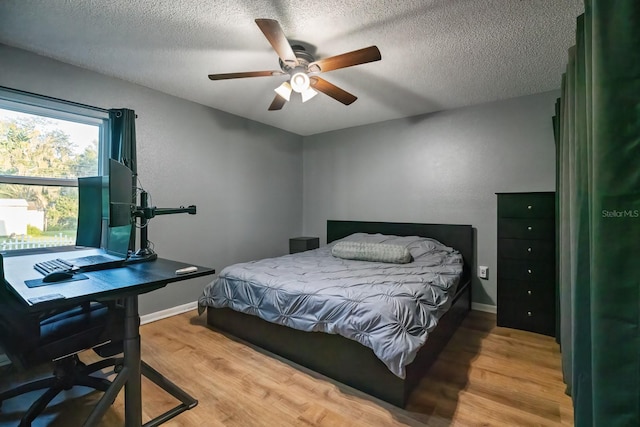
529,271
535,229
527,294
527,249
528,205
526,273
517,317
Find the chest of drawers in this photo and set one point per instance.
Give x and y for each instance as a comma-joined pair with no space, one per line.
526,262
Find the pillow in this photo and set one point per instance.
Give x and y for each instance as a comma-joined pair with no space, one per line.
418,246
377,252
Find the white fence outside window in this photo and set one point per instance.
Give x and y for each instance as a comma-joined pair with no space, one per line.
29,242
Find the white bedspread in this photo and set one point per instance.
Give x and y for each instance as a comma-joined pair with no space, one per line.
390,308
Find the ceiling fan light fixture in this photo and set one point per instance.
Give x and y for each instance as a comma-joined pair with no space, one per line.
297,63
300,82
308,94
284,90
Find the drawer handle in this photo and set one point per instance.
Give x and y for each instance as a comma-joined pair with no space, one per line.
529,313
529,250
529,207
529,292
529,228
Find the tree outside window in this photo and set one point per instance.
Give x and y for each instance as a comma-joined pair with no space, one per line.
40,160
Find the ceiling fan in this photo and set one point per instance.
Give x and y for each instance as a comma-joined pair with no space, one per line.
303,68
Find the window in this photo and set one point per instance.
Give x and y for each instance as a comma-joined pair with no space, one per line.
45,145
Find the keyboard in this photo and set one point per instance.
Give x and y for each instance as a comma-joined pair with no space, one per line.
46,267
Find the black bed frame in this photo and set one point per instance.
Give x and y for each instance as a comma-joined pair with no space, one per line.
348,361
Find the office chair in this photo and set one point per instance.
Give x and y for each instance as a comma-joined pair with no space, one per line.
57,336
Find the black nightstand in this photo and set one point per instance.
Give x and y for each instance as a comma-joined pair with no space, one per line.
301,244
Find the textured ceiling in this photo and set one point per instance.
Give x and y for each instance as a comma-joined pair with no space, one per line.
436,54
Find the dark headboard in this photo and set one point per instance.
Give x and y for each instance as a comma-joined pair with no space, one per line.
459,237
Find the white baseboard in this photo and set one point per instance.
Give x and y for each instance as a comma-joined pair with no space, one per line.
162,314
484,307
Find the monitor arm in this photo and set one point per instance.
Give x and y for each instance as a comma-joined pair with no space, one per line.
152,211
145,213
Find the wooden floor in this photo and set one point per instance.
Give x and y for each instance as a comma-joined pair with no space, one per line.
487,376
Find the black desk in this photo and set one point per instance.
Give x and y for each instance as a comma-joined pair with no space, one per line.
120,283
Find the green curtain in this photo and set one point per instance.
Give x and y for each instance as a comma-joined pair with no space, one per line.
597,130
123,137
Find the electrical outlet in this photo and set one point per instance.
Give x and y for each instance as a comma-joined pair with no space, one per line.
483,272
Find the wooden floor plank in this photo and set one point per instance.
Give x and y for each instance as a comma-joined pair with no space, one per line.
486,375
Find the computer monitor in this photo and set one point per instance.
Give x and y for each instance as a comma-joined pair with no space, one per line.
105,209
118,212
121,195
121,207
91,210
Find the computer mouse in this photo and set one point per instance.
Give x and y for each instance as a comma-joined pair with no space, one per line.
57,275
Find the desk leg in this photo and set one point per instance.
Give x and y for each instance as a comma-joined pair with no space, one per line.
132,388
129,377
107,399
187,402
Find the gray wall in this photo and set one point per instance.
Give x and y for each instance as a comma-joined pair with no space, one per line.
244,177
436,168
248,182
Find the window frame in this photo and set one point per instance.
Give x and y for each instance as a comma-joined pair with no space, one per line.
30,103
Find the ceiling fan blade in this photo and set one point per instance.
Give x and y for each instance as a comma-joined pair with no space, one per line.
332,90
273,32
277,103
349,59
226,76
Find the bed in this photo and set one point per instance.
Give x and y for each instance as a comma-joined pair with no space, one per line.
347,360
